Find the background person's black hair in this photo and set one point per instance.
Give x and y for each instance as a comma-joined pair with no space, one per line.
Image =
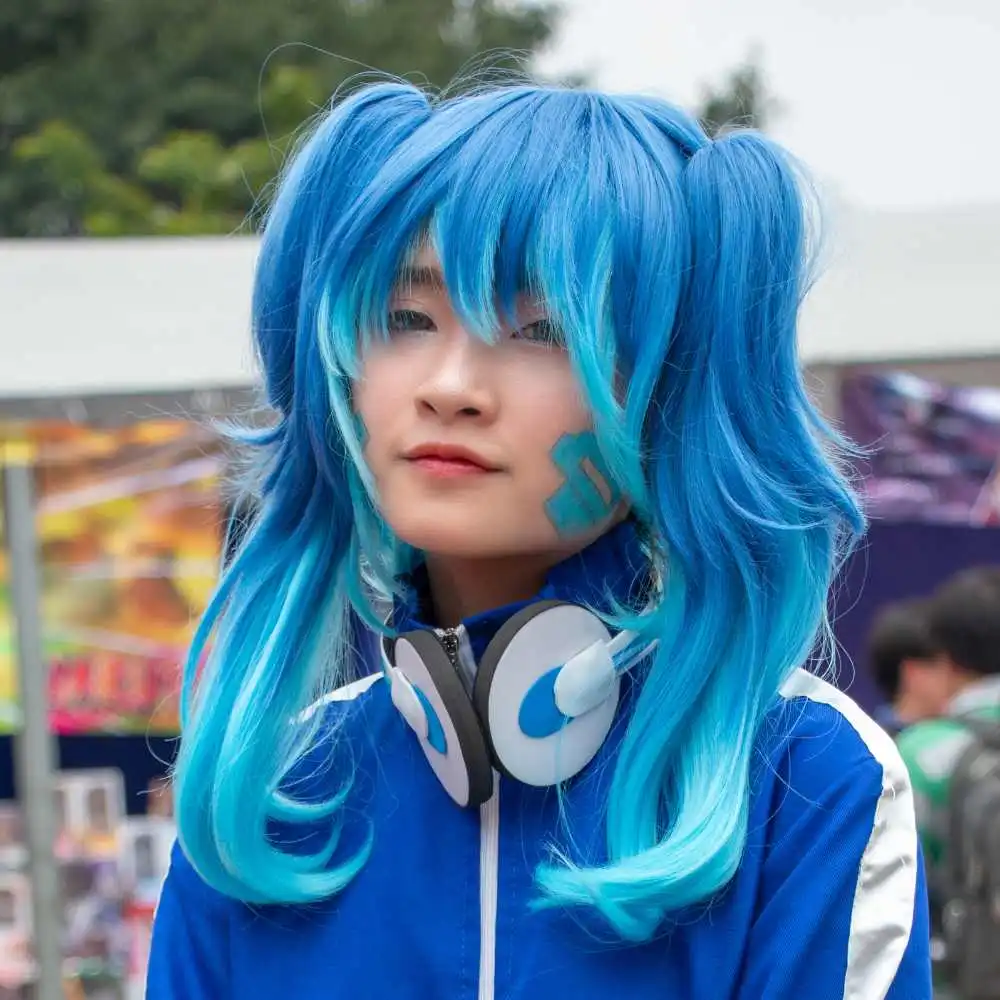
901,631
964,619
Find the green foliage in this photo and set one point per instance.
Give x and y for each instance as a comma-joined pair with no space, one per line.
742,101
171,116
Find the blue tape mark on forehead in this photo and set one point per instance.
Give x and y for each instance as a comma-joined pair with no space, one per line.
579,504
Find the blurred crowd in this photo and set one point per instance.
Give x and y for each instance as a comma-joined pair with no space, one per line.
937,662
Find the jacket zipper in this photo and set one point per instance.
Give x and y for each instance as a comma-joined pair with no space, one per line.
456,644
489,876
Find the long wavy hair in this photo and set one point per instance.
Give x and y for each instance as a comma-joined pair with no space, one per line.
675,266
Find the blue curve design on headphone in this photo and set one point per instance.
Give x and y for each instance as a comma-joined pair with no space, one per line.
435,731
539,716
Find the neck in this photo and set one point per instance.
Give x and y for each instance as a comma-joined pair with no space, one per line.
908,710
460,588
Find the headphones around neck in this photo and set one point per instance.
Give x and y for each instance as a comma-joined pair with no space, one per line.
538,707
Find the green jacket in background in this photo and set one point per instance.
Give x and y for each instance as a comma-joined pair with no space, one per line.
931,750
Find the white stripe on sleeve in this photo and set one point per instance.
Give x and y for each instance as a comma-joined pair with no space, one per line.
882,916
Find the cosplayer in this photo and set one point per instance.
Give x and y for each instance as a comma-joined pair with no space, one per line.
502,693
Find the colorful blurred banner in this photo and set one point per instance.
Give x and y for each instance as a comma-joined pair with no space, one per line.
934,449
129,524
9,713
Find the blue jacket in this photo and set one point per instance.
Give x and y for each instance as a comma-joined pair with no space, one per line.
829,901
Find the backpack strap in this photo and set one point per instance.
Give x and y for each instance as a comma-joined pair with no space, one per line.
978,761
969,920
986,731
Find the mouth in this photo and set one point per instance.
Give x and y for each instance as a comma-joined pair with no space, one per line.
449,460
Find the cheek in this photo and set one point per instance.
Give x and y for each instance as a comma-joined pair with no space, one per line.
543,400
572,480
932,685
377,396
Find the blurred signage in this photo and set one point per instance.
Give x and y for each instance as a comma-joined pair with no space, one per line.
129,524
933,449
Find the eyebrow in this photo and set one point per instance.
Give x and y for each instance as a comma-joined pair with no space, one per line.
420,276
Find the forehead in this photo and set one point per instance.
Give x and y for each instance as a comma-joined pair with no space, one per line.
422,270
424,258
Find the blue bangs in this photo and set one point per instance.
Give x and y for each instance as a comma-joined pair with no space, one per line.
566,197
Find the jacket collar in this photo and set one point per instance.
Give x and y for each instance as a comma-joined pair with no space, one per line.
613,569
979,695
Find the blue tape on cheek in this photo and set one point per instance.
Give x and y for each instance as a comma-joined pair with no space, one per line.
435,731
579,505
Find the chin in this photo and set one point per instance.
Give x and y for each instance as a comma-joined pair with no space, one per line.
456,540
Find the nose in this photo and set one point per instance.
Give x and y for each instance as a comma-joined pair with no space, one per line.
458,385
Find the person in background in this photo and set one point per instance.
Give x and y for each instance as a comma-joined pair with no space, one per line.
963,620
942,755
906,664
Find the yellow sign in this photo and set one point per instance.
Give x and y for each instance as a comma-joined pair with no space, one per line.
129,523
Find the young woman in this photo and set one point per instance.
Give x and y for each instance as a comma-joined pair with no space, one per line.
502,694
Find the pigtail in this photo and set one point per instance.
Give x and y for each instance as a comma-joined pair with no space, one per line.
746,493
279,632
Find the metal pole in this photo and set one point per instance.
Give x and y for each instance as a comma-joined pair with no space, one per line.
34,747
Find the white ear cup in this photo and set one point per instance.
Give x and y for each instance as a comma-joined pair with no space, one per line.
530,647
464,768
407,703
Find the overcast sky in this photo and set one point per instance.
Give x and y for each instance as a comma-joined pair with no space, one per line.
893,103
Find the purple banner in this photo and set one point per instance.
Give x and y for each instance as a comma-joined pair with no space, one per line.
933,449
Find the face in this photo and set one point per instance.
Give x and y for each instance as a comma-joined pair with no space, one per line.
478,449
929,685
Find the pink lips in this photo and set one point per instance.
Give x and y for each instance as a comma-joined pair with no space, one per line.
447,461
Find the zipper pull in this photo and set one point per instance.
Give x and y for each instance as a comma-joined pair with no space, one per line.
450,641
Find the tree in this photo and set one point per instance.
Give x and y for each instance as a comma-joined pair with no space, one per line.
741,101
169,116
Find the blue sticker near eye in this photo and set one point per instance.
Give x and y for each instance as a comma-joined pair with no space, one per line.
579,505
539,716
435,731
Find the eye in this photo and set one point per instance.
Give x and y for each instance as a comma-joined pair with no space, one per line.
542,331
409,321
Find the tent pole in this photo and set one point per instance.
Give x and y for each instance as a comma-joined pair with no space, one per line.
34,747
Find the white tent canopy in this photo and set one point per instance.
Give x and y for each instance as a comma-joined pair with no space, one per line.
920,286
124,316
102,317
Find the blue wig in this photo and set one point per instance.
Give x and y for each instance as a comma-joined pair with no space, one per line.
671,261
